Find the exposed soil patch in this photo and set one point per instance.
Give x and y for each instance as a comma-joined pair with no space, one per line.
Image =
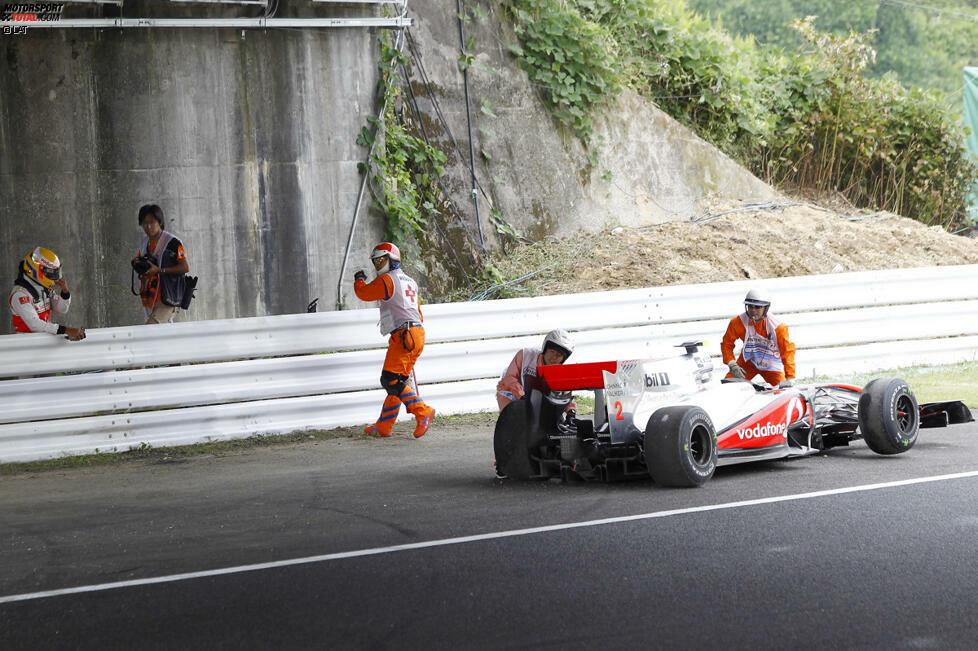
730,241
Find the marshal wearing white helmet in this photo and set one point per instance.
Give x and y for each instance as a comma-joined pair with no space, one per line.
39,291
401,318
767,351
518,377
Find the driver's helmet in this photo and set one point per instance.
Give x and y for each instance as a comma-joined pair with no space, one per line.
43,267
559,340
758,298
391,252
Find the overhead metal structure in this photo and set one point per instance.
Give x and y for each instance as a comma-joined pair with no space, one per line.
263,3
259,22
236,23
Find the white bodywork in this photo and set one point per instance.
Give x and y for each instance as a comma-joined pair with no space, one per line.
640,387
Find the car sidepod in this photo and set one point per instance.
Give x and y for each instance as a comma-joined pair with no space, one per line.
764,434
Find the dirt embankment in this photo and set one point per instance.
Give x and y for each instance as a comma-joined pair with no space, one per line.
733,242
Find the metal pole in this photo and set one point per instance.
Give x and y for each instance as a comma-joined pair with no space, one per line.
363,181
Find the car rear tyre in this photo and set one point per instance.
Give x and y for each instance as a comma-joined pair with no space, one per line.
680,446
889,416
513,440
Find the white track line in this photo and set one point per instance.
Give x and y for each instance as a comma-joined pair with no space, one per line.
475,538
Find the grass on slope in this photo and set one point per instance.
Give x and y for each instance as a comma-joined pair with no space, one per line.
931,383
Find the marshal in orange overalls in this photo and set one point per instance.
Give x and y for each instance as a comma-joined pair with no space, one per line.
400,316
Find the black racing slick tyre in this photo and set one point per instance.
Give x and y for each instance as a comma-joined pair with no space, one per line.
889,416
680,446
513,440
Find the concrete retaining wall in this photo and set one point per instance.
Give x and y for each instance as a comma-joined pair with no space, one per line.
247,139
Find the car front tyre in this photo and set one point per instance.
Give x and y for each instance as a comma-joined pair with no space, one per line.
889,417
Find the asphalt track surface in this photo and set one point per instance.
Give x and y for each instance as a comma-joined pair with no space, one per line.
413,544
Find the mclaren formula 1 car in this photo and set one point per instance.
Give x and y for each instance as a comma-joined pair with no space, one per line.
670,419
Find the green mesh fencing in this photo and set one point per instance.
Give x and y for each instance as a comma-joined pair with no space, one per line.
971,121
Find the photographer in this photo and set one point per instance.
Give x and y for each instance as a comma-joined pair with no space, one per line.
160,262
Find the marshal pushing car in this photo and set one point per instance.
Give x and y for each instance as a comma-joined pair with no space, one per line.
668,418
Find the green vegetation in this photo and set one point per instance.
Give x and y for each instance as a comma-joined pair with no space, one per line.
570,58
808,117
404,167
585,402
930,383
925,44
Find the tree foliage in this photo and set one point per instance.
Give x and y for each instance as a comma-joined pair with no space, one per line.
926,44
811,115
570,58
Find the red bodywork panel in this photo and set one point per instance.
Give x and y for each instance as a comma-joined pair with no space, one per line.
767,427
570,377
848,387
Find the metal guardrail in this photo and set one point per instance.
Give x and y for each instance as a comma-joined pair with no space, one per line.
300,334
282,377
268,375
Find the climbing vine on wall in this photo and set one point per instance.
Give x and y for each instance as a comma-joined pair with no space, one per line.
570,59
403,168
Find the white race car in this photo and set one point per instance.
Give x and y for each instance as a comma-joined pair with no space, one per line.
668,418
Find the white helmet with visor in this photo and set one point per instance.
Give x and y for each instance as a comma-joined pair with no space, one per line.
559,340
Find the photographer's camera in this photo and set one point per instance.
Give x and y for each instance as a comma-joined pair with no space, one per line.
142,263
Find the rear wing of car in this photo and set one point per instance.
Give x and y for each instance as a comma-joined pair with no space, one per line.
574,377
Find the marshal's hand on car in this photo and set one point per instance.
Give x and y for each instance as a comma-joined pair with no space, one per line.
736,371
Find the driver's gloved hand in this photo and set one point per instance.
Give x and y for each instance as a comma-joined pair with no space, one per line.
784,384
360,275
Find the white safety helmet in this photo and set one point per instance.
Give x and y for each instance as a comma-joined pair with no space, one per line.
758,298
391,252
560,340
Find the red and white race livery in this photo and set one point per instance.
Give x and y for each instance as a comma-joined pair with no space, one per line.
668,418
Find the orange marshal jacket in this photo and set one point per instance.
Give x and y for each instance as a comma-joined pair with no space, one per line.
736,330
